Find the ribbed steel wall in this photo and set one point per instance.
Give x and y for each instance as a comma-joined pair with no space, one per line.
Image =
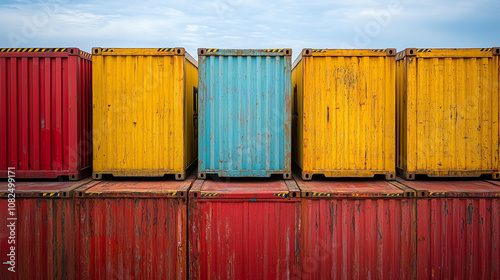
45,101
141,115
244,115
127,238
448,112
458,229
357,230
244,230
44,233
458,238
346,113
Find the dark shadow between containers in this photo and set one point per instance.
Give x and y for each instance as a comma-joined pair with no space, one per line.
273,177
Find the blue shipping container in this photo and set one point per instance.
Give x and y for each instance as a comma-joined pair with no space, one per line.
244,112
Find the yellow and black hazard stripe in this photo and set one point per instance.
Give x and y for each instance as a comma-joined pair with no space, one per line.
379,50
212,50
14,50
166,50
85,54
107,50
437,193
485,50
204,194
285,195
321,194
274,50
392,194
319,51
423,50
92,193
51,194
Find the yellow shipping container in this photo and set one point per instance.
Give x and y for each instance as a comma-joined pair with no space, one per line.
344,113
144,109
447,107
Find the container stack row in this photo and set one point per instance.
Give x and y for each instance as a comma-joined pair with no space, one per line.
255,229
248,113
145,113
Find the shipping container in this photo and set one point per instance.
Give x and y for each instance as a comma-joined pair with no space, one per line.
244,229
344,113
144,112
458,229
45,103
132,229
447,112
245,113
37,220
357,229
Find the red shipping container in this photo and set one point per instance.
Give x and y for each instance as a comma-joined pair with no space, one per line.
244,229
458,229
357,229
45,105
132,229
44,230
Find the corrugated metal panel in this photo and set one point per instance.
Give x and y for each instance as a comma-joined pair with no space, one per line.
448,112
45,230
45,97
245,114
357,230
458,229
345,113
132,230
143,112
244,230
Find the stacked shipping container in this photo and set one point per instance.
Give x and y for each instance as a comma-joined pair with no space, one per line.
45,99
448,112
145,124
245,116
43,231
357,229
132,230
144,112
458,229
244,229
344,113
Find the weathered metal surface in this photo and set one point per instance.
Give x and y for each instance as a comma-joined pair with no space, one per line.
357,229
244,230
245,113
132,229
144,112
44,230
344,108
448,120
45,99
458,229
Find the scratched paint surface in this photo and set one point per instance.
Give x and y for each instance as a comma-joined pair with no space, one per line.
364,230
245,116
448,116
45,230
345,125
245,235
144,111
45,103
458,230
132,230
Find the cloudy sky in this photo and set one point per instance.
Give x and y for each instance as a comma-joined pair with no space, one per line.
250,24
